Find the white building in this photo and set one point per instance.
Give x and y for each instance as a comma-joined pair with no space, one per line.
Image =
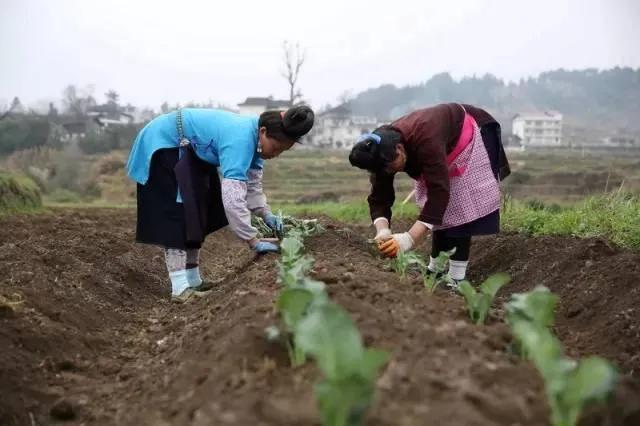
337,128
256,106
619,141
538,129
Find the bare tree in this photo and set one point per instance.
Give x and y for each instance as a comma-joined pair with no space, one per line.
77,102
16,106
112,97
294,58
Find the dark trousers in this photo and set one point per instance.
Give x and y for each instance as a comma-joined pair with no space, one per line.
440,242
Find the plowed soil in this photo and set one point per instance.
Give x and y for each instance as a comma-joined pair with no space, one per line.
96,341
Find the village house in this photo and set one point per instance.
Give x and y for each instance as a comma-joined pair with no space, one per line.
338,128
541,129
256,105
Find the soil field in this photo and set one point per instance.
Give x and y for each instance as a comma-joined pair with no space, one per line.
96,341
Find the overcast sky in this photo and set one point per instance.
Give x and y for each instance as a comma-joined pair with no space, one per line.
181,50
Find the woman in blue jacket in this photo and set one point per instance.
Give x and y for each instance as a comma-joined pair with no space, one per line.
198,170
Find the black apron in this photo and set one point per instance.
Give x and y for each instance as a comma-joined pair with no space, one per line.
201,194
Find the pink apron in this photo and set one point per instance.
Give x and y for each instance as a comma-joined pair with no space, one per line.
474,190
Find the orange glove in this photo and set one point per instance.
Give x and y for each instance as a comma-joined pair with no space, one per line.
389,247
396,244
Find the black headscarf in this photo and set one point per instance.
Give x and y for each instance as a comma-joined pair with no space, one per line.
375,150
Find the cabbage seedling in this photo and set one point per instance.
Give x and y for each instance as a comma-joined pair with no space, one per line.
405,260
292,304
438,275
479,301
349,369
569,385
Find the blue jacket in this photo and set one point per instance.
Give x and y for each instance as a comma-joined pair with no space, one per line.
221,138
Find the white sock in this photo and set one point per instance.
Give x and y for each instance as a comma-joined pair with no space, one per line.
193,277
458,269
179,282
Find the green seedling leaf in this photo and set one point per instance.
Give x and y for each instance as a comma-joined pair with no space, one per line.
372,361
479,302
328,334
494,283
291,248
262,227
292,305
430,282
344,403
539,343
438,275
537,306
301,227
405,260
317,288
442,260
292,273
469,293
569,386
593,380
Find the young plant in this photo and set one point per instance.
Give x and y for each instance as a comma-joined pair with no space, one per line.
302,227
349,369
479,301
536,306
405,260
569,385
305,227
298,295
438,275
292,304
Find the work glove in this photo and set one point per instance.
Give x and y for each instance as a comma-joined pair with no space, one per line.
396,244
382,234
263,247
274,222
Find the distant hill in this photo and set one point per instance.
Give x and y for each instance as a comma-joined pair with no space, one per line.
590,98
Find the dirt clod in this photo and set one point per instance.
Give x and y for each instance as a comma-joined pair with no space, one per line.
63,409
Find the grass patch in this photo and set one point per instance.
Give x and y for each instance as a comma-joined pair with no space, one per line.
18,194
353,211
615,216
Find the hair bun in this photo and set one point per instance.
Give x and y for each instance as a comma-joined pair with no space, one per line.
365,155
298,121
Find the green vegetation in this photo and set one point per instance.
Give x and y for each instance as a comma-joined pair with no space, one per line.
405,260
321,329
479,301
353,212
569,385
18,194
615,216
433,278
349,369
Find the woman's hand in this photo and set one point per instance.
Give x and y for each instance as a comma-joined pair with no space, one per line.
263,246
395,244
274,222
382,229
